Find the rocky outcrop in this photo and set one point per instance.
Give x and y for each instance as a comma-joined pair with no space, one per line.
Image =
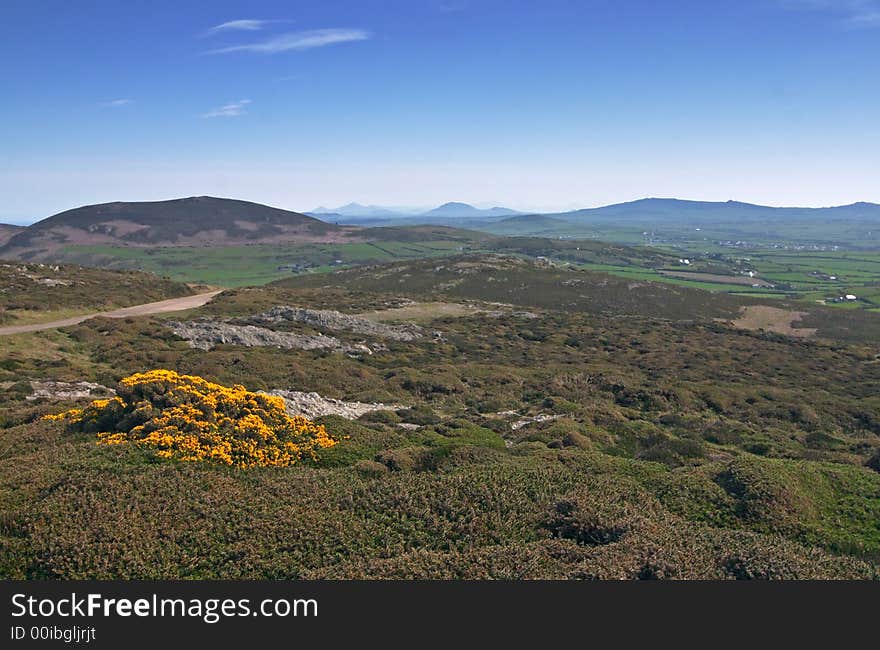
543,417
206,334
313,405
68,390
334,320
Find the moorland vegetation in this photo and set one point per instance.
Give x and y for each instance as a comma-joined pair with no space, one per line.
559,424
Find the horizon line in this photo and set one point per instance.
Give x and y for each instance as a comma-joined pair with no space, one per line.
419,211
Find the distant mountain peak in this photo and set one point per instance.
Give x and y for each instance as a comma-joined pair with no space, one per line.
460,209
355,209
456,204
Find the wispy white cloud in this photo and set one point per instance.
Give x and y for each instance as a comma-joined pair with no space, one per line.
866,19
304,40
855,13
233,109
243,25
114,103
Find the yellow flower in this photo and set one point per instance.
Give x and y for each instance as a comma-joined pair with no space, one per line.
188,418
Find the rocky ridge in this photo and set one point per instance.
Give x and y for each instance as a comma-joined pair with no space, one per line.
67,390
206,334
313,405
334,320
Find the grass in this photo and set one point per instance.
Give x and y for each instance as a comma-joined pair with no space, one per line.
233,266
796,274
33,293
674,445
34,316
679,446
246,265
792,273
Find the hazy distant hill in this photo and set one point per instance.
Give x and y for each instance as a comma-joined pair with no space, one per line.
455,209
195,221
857,223
535,225
676,209
690,223
362,213
357,210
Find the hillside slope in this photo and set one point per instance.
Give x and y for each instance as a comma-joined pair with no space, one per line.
563,437
7,231
31,293
509,279
535,225
505,278
199,221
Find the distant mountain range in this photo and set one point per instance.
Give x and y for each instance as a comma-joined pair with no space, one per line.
194,221
210,221
465,210
452,209
358,210
655,210
650,211
678,222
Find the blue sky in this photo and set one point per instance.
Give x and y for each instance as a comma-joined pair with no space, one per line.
537,105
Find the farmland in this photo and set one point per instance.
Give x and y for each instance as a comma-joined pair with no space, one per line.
233,266
825,277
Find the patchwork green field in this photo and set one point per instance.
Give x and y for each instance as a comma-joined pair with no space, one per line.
233,266
823,276
811,276
826,277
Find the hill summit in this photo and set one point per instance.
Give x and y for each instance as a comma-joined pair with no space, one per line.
457,209
193,221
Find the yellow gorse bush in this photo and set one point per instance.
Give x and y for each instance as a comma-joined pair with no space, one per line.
188,418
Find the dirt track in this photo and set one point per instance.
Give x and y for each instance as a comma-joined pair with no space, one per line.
174,304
